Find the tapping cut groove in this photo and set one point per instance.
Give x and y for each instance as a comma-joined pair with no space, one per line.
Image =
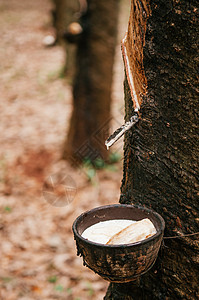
132,50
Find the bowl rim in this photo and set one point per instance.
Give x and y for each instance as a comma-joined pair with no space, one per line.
158,233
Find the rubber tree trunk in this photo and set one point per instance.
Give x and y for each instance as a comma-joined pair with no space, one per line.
161,152
90,120
65,13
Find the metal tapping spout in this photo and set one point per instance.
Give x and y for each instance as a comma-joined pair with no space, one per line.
121,130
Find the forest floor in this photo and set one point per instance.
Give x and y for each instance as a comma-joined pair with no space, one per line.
37,251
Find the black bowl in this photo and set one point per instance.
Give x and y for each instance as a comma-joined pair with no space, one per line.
118,263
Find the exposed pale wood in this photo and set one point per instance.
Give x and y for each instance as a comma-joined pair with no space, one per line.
132,50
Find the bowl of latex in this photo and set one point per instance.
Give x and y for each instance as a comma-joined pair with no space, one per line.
119,242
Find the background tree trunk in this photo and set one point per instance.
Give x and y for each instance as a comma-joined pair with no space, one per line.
90,120
161,152
66,12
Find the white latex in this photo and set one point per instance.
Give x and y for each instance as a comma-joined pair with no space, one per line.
102,232
133,233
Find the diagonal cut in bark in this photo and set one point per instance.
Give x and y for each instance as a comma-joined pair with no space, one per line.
132,50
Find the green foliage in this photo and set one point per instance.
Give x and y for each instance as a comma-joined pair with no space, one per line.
61,73
90,173
69,291
6,279
89,169
112,168
59,288
99,163
87,162
7,209
114,157
90,166
52,279
56,74
90,289
3,169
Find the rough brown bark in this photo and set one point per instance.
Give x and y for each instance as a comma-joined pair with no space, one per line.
161,152
89,125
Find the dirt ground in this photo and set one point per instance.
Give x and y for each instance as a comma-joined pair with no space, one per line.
37,251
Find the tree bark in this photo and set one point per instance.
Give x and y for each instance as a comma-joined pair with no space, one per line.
90,120
161,151
66,12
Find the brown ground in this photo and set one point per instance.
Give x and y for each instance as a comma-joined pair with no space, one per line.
37,251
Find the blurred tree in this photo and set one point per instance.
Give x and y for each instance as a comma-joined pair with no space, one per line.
67,12
90,120
161,151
